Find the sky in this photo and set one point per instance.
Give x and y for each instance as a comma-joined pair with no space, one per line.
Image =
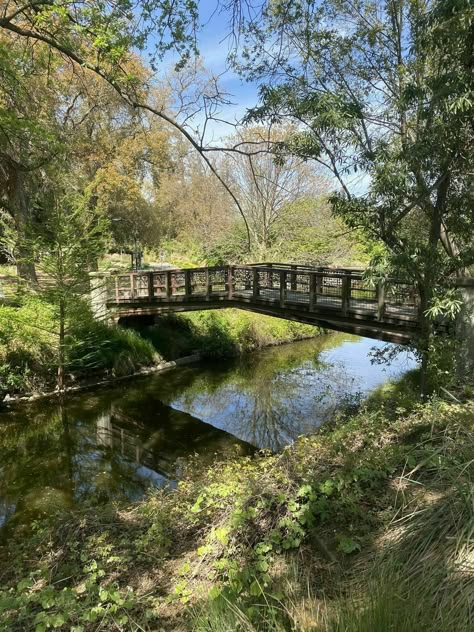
214,44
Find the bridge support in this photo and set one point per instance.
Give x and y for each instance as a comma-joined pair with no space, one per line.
98,295
465,328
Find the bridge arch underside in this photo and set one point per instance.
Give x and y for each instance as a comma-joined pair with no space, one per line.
390,330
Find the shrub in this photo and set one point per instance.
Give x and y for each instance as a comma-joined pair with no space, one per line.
29,347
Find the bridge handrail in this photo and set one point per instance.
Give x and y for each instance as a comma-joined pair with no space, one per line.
287,286
335,272
355,273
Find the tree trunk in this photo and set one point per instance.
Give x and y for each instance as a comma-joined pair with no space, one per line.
426,326
19,203
430,280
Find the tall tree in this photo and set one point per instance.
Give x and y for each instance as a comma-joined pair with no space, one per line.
382,92
269,181
28,137
100,36
71,238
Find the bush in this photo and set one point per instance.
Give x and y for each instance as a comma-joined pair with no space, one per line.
29,347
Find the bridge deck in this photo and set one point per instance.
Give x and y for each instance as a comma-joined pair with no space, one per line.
337,298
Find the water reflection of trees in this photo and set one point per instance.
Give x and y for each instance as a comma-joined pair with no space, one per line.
270,398
93,449
116,443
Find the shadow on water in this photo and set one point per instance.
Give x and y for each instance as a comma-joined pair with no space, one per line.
117,443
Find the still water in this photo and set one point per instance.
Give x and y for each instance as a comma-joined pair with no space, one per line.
116,443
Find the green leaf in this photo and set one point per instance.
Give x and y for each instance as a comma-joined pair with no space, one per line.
255,588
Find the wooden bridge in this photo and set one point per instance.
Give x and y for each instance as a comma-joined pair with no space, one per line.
339,299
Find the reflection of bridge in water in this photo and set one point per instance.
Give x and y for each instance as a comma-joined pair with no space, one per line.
156,452
339,299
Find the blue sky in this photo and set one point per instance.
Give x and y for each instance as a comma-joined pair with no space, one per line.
214,46
214,43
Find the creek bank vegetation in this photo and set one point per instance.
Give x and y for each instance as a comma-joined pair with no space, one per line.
364,524
30,345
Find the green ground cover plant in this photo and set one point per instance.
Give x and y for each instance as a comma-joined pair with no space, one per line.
223,333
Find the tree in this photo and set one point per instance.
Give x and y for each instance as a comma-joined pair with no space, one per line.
72,238
269,181
381,91
100,37
193,206
56,117
28,138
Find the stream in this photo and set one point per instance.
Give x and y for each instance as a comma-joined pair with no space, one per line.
118,442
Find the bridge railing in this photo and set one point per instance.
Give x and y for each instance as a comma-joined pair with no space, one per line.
287,286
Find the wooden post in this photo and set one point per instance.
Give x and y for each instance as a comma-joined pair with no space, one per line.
312,291
255,288
117,295
293,278
187,283
319,285
151,287
346,293
282,288
380,300
132,286
270,277
230,281
208,287
169,289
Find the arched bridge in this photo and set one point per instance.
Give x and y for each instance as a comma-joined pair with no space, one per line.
339,299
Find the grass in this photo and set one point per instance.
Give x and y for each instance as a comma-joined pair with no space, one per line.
415,570
222,333
29,348
365,526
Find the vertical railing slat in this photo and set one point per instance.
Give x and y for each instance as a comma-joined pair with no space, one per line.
282,288
312,291
255,287
230,282
187,283
380,300
169,289
346,293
